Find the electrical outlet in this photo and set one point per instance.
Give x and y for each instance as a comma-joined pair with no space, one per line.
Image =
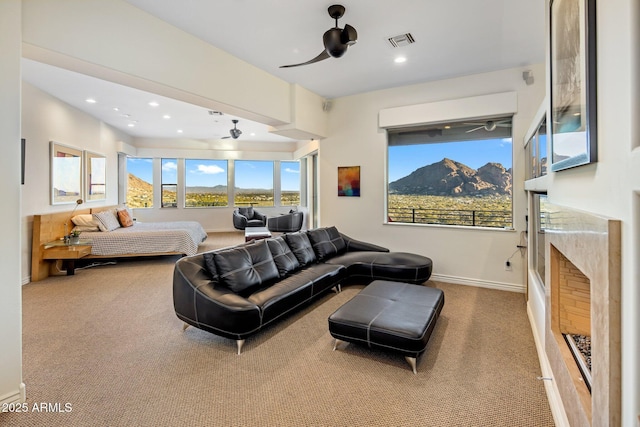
507,266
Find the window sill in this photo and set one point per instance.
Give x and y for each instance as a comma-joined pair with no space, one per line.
451,227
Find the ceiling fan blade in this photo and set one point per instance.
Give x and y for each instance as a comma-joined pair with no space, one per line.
322,56
475,129
349,35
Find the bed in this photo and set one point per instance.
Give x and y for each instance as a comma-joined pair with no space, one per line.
180,237
140,239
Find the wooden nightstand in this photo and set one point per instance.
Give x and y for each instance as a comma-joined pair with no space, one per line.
68,253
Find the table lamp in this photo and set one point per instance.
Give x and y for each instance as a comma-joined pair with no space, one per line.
66,230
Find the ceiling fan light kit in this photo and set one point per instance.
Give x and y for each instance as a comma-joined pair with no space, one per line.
336,40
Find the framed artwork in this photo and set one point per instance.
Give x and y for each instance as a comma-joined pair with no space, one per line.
23,153
95,176
349,181
66,174
573,83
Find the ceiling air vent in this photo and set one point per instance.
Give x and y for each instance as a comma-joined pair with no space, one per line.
401,40
215,113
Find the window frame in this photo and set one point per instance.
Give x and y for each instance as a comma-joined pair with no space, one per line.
235,186
166,184
227,182
431,130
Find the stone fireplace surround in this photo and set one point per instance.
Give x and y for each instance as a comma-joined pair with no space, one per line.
592,244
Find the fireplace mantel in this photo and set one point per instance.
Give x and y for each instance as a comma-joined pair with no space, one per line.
592,244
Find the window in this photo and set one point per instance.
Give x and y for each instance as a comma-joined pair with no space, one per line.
289,183
205,183
536,151
139,182
538,237
254,183
456,173
169,183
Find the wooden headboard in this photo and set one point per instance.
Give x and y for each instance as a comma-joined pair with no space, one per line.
47,228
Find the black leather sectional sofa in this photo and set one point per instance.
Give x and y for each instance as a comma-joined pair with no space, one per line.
235,292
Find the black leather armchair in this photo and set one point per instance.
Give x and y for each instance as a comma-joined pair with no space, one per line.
287,223
248,217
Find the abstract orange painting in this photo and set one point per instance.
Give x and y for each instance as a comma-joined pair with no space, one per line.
349,181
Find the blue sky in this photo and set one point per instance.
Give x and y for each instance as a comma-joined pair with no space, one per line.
209,173
404,159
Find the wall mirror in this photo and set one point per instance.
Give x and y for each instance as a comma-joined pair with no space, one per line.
95,176
66,174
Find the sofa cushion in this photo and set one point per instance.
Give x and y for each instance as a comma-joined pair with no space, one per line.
246,212
210,264
285,260
326,242
246,268
301,247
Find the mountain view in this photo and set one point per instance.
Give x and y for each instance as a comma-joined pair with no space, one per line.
140,195
139,192
452,193
450,178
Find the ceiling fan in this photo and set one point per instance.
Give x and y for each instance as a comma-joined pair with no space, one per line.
489,125
235,132
336,40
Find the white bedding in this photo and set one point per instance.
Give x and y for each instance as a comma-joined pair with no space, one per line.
147,238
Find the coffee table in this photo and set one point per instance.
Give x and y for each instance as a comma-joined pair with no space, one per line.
256,233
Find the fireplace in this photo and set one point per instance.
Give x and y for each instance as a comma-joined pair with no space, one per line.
571,312
583,314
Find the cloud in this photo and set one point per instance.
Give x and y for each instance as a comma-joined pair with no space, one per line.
169,166
291,170
504,142
209,169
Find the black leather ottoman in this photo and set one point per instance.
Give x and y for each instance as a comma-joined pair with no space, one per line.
389,315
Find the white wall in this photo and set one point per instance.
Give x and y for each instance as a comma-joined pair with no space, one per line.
11,387
474,256
611,187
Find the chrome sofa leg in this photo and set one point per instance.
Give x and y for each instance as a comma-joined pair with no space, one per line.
185,326
335,344
337,288
412,362
239,343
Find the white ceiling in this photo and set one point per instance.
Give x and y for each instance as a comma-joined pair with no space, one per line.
452,38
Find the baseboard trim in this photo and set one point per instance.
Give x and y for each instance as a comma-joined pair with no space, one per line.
550,386
510,287
17,396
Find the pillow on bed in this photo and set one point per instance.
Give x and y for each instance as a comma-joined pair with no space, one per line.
124,218
107,220
81,228
85,220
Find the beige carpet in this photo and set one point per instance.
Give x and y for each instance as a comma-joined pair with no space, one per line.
107,342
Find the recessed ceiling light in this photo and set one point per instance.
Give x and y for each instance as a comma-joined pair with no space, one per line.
131,125
153,104
447,127
179,130
166,117
253,134
400,60
91,100
126,115
116,109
